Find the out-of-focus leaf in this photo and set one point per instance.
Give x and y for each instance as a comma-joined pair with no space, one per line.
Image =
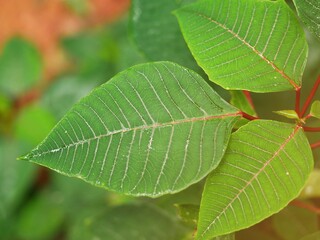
33,124
15,178
292,223
246,44
94,53
313,236
288,114
315,109
260,231
67,189
5,105
142,133
20,67
188,213
265,166
129,222
156,31
312,189
65,92
309,12
41,218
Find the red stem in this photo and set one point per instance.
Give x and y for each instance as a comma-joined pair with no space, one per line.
311,129
304,205
247,116
315,145
249,98
311,95
297,107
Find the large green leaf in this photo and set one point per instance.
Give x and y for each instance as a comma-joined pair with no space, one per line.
156,31
246,44
265,166
142,133
309,12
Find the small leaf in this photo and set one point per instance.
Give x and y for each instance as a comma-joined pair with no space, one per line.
239,100
246,44
288,114
265,166
315,109
311,189
309,12
20,67
144,132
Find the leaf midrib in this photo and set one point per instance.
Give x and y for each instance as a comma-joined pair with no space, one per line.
254,177
272,64
143,127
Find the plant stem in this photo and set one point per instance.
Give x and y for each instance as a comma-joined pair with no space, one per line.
305,205
315,145
297,107
249,98
311,129
247,116
311,95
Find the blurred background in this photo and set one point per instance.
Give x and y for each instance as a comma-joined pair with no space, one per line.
52,53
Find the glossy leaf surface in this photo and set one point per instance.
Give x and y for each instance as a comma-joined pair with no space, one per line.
144,132
246,44
266,165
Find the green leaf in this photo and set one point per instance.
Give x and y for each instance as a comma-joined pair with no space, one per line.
266,165
41,218
309,12
20,67
129,222
315,109
288,114
293,223
156,31
188,213
32,124
239,100
142,133
246,44
15,178
64,92
311,189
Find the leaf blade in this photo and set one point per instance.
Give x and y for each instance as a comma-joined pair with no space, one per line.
308,11
150,122
265,166
242,47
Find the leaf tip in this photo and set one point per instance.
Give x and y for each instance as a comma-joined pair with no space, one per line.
25,157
